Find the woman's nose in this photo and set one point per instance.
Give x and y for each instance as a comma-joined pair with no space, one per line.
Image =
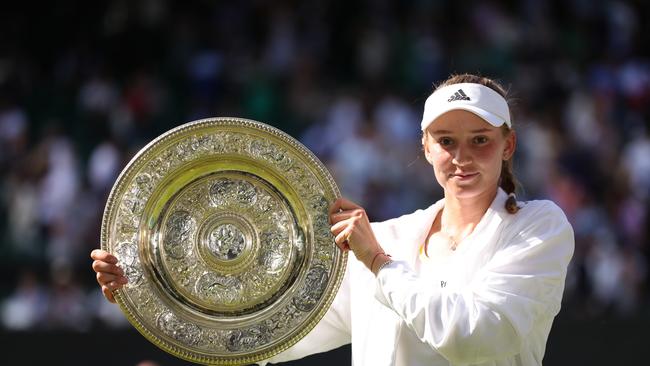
461,157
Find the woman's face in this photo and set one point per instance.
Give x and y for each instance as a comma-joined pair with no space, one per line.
466,153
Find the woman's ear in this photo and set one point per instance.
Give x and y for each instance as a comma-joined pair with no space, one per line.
510,145
425,149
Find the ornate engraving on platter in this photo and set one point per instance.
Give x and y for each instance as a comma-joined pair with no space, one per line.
271,153
225,191
313,290
219,289
186,333
127,256
251,338
226,242
284,320
226,218
272,257
180,226
233,233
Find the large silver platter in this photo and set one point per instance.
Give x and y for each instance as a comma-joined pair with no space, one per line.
221,227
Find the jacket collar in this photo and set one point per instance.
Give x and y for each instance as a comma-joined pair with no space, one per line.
423,226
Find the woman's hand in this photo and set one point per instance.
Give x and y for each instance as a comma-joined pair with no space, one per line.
351,229
109,275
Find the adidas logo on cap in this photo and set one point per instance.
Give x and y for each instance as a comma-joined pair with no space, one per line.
459,95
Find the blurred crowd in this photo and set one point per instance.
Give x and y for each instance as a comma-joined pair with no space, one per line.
83,86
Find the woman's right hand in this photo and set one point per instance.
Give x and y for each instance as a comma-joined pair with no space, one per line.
109,275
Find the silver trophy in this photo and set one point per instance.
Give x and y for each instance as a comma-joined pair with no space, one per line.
221,227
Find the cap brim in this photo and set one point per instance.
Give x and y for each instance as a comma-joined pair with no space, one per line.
488,117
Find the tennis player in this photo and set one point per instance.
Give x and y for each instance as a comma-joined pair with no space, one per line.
475,279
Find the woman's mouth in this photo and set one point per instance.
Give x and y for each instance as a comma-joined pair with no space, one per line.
464,176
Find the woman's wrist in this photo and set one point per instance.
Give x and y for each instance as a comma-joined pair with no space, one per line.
374,258
379,262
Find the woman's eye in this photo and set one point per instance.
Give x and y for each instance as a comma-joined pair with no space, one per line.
445,141
480,139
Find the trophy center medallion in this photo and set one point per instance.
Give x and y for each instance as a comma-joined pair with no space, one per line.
226,242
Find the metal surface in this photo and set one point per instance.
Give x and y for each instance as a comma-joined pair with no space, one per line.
221,227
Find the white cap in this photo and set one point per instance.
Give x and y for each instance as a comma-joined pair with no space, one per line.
476,98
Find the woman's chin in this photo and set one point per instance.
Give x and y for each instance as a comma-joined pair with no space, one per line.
467,191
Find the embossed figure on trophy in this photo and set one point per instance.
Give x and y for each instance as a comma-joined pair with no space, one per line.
128,257
226,191
273,255
187,333
246,193
251,338
219,289
271,153
180,226
315,284
220,191
226,242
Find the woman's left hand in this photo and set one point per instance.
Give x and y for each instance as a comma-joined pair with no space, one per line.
351,229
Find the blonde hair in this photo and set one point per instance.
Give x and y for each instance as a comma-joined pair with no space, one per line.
508,182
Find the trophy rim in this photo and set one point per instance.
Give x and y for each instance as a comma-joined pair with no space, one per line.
125,177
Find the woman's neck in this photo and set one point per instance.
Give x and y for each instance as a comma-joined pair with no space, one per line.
460,216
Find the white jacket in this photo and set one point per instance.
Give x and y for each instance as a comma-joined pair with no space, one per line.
493,303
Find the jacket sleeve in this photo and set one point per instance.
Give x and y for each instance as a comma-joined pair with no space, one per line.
521,284
331,332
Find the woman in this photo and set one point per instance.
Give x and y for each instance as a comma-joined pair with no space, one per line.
476,278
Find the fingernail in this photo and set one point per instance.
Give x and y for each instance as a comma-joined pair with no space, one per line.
124,280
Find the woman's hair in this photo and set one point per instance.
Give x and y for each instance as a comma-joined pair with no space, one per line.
507,181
